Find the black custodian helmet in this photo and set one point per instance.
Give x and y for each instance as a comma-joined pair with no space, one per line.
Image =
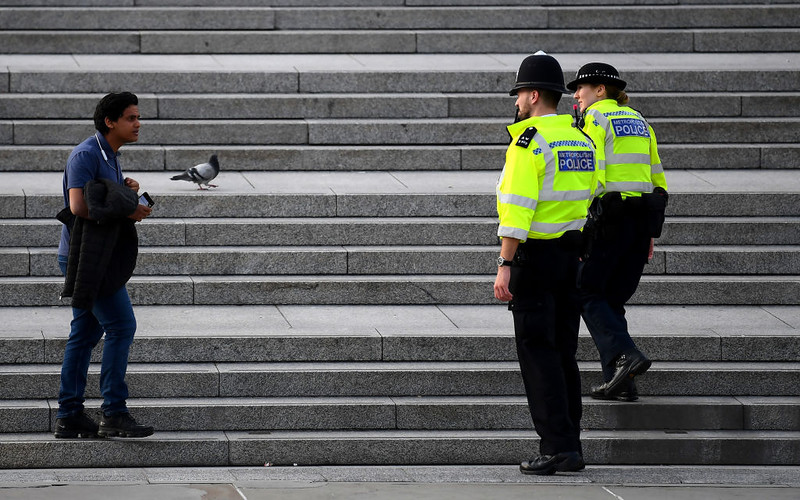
539,71
597,72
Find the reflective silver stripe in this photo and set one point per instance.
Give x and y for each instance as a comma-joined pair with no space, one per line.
618,158
512,232
656,169
518,200
638,187
581,195
557,227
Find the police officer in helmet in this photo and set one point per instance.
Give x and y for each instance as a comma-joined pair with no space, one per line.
549,178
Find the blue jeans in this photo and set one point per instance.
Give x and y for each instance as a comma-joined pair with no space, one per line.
114,316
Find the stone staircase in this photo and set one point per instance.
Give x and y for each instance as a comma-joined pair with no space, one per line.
330,302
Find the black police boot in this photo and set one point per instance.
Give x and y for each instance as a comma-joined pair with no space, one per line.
123,425
628,394
546,465
76,426
629,365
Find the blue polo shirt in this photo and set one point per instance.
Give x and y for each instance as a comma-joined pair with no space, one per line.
85,163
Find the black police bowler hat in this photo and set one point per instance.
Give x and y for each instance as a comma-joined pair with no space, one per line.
539,71
597,72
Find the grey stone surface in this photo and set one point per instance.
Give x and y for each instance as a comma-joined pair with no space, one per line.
696,447
277,42
226,204
730,231
441,345
421,260
260,414
14,262
717,290
682,16
6,133
145,290
763,40
415,205
410,18
20,350
746,346
253,106
185,449
709,156
129,19
572,40
771,413
471,131
341,231
158,261
400,80
407,447
54,158
172,132
779,156
322,158
368,379
342,290
65,42
725,130
720,379
29,106
742,204
777,105
155,80
24,416
730,260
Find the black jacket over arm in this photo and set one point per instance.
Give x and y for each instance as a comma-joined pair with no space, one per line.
103,248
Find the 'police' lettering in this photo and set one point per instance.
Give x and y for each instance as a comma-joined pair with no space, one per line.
630,127
575,161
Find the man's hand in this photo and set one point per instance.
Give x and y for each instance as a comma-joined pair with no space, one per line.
131,183
501,290
141,212
650,252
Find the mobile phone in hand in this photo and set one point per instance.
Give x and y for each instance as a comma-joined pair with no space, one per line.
145,200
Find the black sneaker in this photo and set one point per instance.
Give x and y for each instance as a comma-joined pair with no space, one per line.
123,425
76,426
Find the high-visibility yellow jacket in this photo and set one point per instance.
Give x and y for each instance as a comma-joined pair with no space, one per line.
548,181
632,165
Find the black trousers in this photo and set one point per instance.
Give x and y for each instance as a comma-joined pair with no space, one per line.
608,279
546,322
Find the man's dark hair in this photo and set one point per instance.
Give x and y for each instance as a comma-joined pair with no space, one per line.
550,97
112,106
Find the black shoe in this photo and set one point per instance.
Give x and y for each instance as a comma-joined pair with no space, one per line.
629,365
629,395
546,465
123,425
76,426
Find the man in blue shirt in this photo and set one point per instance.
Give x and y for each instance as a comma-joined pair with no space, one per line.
116,119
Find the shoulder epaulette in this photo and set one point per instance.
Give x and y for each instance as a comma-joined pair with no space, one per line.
526,137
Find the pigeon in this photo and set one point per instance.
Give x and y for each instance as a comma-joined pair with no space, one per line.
201,174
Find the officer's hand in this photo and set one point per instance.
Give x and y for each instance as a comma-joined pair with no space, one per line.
141,212
501,291
131,183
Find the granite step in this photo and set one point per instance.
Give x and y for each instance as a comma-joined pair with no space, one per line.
382,105
393,18
395,289
399,41
420,413
230,345
446,378
388,231
217,448
397,260
153,158
407,131
400,73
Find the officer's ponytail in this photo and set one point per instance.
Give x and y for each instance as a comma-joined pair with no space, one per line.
618,95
